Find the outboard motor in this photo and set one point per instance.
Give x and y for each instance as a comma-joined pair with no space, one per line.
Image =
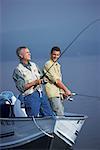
10,106
6,109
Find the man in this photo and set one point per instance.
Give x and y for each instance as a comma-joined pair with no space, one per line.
55,88
27,79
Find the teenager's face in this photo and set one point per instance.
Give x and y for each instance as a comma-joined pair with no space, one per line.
25,54
55,55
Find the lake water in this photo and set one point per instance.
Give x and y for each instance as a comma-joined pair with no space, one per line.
82,75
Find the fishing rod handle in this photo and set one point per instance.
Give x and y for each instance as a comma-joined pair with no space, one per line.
69,98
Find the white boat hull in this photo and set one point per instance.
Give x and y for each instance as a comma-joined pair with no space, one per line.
68,129
16,132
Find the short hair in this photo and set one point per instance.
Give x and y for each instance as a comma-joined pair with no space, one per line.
55,48
18,50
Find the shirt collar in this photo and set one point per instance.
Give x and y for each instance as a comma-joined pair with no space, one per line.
56,63
28,66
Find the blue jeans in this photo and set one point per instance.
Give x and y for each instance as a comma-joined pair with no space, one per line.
36,105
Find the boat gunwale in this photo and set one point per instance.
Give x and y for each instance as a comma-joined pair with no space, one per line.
74,117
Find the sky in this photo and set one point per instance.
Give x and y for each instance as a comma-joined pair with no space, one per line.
42,24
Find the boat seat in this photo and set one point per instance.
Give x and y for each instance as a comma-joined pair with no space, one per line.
18,111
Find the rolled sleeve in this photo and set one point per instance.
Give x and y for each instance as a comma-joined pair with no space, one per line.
19,80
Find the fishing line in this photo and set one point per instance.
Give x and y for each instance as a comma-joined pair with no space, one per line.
91,96
70,98
67,48
70,44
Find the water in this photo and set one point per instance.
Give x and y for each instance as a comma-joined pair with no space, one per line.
81,74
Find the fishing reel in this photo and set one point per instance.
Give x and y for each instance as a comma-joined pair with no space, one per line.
70,98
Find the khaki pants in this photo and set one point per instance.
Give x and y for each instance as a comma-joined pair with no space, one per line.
57,106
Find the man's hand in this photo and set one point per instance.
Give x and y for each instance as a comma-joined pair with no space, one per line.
66,94
38,82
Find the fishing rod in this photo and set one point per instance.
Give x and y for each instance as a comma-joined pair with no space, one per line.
85,95
70,44
70,98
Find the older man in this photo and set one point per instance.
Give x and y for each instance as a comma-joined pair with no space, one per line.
27,79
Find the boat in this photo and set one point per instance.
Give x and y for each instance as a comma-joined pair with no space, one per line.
49,133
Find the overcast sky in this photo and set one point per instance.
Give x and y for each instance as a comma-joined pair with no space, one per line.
41,24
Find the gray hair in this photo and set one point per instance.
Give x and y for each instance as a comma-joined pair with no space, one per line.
18,50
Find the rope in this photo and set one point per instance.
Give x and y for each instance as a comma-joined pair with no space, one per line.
43,131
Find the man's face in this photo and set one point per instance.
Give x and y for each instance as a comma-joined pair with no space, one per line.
25,54
55,55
